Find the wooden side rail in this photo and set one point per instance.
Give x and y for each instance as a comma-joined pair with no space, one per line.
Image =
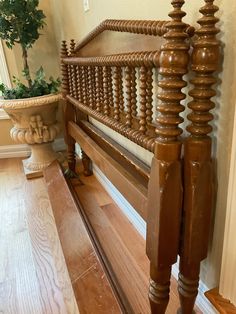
139,94
135,193
84,267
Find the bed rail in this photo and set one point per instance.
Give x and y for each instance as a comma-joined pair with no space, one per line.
140,95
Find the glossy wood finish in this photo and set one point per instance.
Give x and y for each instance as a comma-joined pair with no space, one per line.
124,32
222,305
165,186
68,110
121,245
33,272
131,163
115,85
130,187
198,170
91,286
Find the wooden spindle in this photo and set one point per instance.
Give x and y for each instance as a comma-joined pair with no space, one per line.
164,212
69,112
79,89
133,93
97,89
149,112
101,92
110,88
83,84
72,70
90,87
143,99
128,96
198,171
117,76
64,70
86,78
93,90
105,91
121,94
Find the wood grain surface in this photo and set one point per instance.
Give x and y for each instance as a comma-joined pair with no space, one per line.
33,273
121,243
222,305
92,289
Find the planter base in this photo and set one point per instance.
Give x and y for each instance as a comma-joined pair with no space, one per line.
42,155
30,174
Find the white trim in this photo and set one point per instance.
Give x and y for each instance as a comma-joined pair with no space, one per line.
23,150
5,77
4,115
202,302
122,203
228,270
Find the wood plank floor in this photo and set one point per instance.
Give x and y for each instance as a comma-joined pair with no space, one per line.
33,273
92,288
126,251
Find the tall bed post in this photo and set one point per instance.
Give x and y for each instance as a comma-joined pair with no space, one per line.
198,172
69,113
165,190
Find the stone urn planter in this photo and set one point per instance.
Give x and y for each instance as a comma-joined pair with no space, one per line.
35,124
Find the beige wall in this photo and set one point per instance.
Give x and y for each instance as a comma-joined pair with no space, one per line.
70,21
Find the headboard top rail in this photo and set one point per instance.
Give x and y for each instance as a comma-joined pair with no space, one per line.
145,27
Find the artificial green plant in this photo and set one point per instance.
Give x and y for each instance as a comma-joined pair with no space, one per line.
20,23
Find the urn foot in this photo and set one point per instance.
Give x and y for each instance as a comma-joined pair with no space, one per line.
42,155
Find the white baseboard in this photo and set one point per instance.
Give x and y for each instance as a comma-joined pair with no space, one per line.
202,302
23,150
122,203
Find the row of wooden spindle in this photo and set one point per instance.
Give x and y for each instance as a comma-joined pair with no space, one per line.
115,92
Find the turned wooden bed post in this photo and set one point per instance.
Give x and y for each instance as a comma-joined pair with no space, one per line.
165,185
69,113
198,172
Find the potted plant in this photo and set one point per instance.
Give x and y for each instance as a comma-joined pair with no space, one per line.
32,104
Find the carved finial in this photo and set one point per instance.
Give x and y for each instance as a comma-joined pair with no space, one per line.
64,69
72,48
64,50
205,61
174,60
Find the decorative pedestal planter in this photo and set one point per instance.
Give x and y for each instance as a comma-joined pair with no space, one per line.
35,124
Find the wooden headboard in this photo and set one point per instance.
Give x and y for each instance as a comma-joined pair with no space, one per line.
128,76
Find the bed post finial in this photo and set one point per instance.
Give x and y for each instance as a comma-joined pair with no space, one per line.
198,171
64,70
72,48
205,61
164,213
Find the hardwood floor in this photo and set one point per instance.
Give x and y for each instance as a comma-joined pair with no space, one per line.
126,251
33,273
222,305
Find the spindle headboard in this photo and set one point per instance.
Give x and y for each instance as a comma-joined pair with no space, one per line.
128,76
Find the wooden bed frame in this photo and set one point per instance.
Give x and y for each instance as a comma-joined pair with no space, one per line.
110,77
